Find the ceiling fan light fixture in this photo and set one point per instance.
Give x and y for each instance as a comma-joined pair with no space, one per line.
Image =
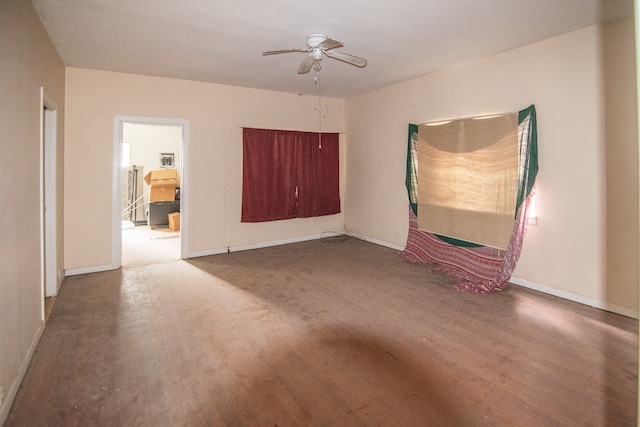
314,39
317,45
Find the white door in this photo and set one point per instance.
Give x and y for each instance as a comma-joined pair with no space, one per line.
49,195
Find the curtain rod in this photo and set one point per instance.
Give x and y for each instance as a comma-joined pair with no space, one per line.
291,130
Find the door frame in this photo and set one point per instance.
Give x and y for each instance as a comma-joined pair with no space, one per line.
118,139
49,194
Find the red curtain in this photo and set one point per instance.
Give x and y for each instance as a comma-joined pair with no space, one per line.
289,174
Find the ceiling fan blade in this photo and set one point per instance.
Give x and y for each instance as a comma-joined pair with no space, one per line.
345,57
330,44
276,52
306,65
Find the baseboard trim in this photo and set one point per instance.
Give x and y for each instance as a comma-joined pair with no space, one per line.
87,270
260,245
8,399
199,254
376,241
581,299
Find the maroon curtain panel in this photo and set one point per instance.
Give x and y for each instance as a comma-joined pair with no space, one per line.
318,174
289,174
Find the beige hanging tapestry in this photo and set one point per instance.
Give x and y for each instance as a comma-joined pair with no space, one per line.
468,178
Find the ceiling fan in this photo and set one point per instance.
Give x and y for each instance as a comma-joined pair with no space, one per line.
318,44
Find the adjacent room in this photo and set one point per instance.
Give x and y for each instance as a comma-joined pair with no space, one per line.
150,210
353,213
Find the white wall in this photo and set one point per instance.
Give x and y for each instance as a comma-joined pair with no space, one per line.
148,141
28,62
564,78
216,114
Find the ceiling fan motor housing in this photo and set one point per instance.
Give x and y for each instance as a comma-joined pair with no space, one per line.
314,39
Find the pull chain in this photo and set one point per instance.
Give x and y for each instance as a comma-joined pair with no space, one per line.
317,79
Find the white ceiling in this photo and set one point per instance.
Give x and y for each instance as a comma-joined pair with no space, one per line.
221,41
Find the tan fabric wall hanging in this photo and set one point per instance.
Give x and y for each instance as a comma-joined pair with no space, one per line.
468,178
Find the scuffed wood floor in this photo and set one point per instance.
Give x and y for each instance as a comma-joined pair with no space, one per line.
321,334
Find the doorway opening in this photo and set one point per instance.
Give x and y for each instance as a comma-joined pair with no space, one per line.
151,190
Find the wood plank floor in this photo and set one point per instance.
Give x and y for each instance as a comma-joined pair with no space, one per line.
322,334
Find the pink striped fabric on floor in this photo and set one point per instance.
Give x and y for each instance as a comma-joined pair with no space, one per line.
479,269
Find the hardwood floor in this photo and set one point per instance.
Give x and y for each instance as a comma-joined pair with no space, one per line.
313,333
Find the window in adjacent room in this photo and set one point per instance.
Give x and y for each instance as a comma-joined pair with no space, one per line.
126,154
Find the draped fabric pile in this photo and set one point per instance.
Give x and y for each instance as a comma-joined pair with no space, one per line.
477,268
